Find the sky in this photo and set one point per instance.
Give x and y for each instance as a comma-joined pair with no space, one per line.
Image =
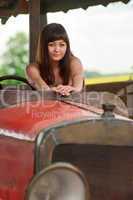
102,37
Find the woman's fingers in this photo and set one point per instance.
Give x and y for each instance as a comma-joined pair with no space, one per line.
54,89
63,92
63,89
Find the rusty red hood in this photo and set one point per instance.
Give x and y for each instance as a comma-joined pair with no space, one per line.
29,118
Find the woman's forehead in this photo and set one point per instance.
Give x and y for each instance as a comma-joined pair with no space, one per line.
58,41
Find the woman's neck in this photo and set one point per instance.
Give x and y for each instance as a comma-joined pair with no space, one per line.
54,64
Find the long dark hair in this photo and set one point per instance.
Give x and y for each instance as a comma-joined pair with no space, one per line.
50,33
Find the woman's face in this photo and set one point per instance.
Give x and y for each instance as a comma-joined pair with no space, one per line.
57,50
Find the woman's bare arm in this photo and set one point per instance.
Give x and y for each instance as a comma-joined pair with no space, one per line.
77,74
76,77
33,74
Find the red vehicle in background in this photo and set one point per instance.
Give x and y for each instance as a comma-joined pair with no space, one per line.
43,134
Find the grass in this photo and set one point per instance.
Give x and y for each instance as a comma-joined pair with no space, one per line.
109,79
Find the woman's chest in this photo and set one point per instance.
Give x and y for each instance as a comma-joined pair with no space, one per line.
59,79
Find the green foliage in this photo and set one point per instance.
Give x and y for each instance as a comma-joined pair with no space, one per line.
15,58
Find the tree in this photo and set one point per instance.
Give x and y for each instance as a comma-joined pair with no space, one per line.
15,58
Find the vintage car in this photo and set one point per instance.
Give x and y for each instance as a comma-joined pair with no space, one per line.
71,148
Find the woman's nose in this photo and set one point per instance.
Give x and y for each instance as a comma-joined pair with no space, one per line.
57,48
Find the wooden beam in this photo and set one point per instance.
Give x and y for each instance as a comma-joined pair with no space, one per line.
60,5
37,21
23,7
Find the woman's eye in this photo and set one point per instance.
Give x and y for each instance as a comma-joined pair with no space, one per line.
50,44
62,44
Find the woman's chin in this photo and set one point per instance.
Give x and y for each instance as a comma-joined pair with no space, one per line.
56,58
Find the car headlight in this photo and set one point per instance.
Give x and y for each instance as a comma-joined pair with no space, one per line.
59,181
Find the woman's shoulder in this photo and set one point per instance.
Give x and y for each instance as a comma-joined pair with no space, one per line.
76,65
34,64
75,60
32,67
32,71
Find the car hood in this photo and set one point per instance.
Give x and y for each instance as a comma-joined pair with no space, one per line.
26,120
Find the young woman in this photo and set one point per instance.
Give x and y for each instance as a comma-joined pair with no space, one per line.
55,68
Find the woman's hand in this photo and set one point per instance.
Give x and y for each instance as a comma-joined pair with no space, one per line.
64,90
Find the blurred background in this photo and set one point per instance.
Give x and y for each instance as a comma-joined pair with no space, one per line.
102,37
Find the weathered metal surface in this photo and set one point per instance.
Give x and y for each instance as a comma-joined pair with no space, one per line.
113,87
107,168
15,95
31,117
62,123
16,167
123,89
101,148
